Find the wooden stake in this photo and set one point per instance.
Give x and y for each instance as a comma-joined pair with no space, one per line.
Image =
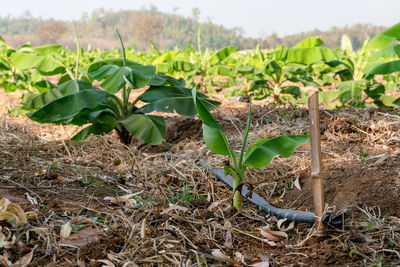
316,162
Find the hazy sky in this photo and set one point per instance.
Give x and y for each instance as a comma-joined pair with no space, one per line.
255,17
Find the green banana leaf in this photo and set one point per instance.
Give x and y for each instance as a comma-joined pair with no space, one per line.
172,99
32,101
222,54
149,128
385,68
263,151
65,108
47,50
113,74
44,64
309,55
310,42
385,38
101,126
213,135
351,92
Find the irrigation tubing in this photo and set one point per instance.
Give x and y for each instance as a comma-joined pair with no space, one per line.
292,215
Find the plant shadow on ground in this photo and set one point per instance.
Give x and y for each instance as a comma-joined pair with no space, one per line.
177,213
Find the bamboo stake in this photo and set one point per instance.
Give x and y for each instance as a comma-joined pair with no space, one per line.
316,162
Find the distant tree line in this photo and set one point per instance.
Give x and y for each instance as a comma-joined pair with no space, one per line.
167,31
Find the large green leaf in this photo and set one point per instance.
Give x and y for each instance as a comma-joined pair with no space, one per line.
263,151
43,64
213,135
163,67
160,79
32,101
102,125
222,70
183,66
385,68
305,55
112,76
73,86
48,50
309,55
388,52
216,140
36,101
95,115
65,108
347,46
222,54
385,38
272,67
309,42
377,93
149,128
292,89
173,99
166,57
113,72
351,92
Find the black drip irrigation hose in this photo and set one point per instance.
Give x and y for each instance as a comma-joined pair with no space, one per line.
335,221
293,215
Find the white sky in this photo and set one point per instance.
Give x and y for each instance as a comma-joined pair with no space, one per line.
256,17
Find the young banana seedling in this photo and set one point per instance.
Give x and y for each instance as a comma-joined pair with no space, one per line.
258,155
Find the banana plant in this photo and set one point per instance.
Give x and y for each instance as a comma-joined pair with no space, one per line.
376,91
258,155
77,102
284,69
361,67
204,65
355,67
12,78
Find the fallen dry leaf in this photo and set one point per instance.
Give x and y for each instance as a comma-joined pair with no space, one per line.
261,264
125,199
297,183
394,219
4,261
106,263
143,229
221,256
81,263
280,225
12,213
228,235
82,238
217,204
65,230
269,236
270,243
174,207
4,240
32,200
24,261
273,235
239,256
261,261
31,214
